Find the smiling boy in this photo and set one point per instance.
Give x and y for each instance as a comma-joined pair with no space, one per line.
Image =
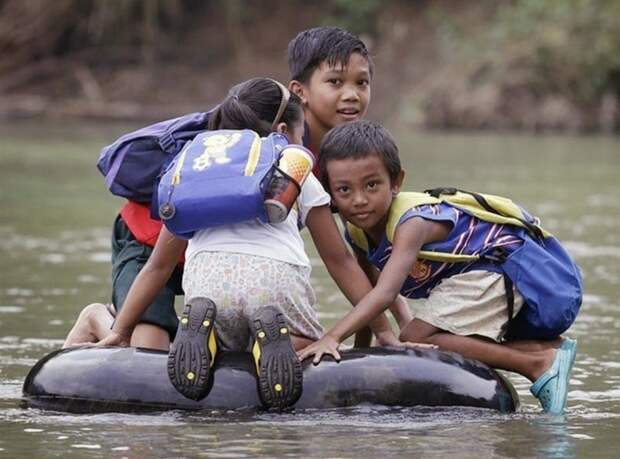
330,71
496,287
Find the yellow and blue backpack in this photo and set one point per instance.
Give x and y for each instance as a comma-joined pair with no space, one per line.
219,178
540,269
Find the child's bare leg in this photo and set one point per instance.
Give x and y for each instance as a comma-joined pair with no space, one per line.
401,312
534,345
529,364
418,331
151,337
92,325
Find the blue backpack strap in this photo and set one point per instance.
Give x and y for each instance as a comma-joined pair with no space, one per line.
167,142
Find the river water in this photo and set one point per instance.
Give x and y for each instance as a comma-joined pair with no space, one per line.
54,248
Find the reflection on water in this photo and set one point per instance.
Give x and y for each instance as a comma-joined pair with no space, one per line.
54,242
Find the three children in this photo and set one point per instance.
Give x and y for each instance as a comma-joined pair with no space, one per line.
330,72
231,266
472,305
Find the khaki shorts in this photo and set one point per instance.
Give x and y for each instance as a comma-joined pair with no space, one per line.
472,303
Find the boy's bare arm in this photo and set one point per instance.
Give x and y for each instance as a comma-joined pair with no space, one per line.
409,238
343,267
146,286
399,308
401,311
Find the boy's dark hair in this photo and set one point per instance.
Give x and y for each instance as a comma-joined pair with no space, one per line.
254,105
356,140
313,46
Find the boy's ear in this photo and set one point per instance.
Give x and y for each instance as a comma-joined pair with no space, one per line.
297,88
398,182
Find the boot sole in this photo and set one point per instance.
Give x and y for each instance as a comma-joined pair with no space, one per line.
280,377
190,358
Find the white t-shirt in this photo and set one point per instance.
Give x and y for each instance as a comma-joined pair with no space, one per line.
279,241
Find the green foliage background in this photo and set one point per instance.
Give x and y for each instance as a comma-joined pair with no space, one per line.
518,63
569,47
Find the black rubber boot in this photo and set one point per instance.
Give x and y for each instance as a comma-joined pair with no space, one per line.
193,351
280,377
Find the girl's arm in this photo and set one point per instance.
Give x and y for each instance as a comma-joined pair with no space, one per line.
343,267
146,286
408,239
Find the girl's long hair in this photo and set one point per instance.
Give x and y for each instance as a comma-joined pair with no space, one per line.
254,105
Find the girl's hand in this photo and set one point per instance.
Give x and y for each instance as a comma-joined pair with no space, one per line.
114,339
326,345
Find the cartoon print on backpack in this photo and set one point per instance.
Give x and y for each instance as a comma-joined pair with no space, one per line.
215,150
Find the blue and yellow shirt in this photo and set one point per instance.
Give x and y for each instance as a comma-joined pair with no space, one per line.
469,236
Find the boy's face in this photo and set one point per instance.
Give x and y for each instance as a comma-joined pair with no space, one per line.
362,191
335,95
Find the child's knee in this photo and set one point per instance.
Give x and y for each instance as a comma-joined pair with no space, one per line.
90,313
403,335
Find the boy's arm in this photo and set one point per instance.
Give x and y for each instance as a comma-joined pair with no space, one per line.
399,308
343,267
410,236
146,286
401,312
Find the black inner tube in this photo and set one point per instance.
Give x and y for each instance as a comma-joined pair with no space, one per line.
134,379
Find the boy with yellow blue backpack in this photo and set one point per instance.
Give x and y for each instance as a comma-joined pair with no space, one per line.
495,285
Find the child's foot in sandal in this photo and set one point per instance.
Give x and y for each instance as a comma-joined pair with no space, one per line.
193,351
551,388
280,376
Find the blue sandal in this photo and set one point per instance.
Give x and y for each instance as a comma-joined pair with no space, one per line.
551,389
570,345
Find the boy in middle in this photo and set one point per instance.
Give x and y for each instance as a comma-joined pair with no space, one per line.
331,71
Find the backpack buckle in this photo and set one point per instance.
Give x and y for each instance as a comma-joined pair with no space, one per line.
498,255
167,143
436,192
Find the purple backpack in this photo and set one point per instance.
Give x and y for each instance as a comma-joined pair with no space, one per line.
133,165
